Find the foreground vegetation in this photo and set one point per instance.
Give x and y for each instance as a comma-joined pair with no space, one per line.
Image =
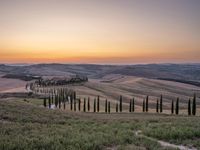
25,125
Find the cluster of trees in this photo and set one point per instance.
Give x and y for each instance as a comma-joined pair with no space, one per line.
61,96
61,81
58,97
174,107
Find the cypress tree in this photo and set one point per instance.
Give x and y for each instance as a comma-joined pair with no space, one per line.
106,106
64,105
177,106
133,105
44,102
172,107
56,101
74,96
161,103
74,105
49,102
71,103
143,108
157,106
59,101
71,98
79,104
98,99
194,105
84,105
116,107
189,107
147,103
52,99
120,104
88,104
130,107
67,99
94,105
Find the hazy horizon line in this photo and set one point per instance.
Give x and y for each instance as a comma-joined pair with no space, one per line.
117,64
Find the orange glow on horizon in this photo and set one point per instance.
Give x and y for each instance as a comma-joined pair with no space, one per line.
99,31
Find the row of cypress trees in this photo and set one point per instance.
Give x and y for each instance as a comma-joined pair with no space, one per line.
61,97
192,110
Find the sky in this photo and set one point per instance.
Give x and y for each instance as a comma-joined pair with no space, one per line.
100,31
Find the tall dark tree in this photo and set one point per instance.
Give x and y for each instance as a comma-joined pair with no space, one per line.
106,106
130,106
74,96
161,104
116,107
71,103
147,103
49,102
133,105
177,106
64,106
143,107
45,102
157,106
94,105
194,105
120,104
189,107
172,107
98,106
59,101
74,105
79,104
88,104
56,101
84,105
52,99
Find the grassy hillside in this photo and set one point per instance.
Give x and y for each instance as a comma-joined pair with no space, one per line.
27,125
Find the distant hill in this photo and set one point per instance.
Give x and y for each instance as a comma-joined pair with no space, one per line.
161,71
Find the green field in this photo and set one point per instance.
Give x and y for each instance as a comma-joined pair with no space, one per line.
27,125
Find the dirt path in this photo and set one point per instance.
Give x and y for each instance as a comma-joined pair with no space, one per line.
163,143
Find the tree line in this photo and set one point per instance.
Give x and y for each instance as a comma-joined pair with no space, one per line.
62,97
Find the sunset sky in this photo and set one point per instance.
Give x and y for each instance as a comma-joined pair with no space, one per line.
99,31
